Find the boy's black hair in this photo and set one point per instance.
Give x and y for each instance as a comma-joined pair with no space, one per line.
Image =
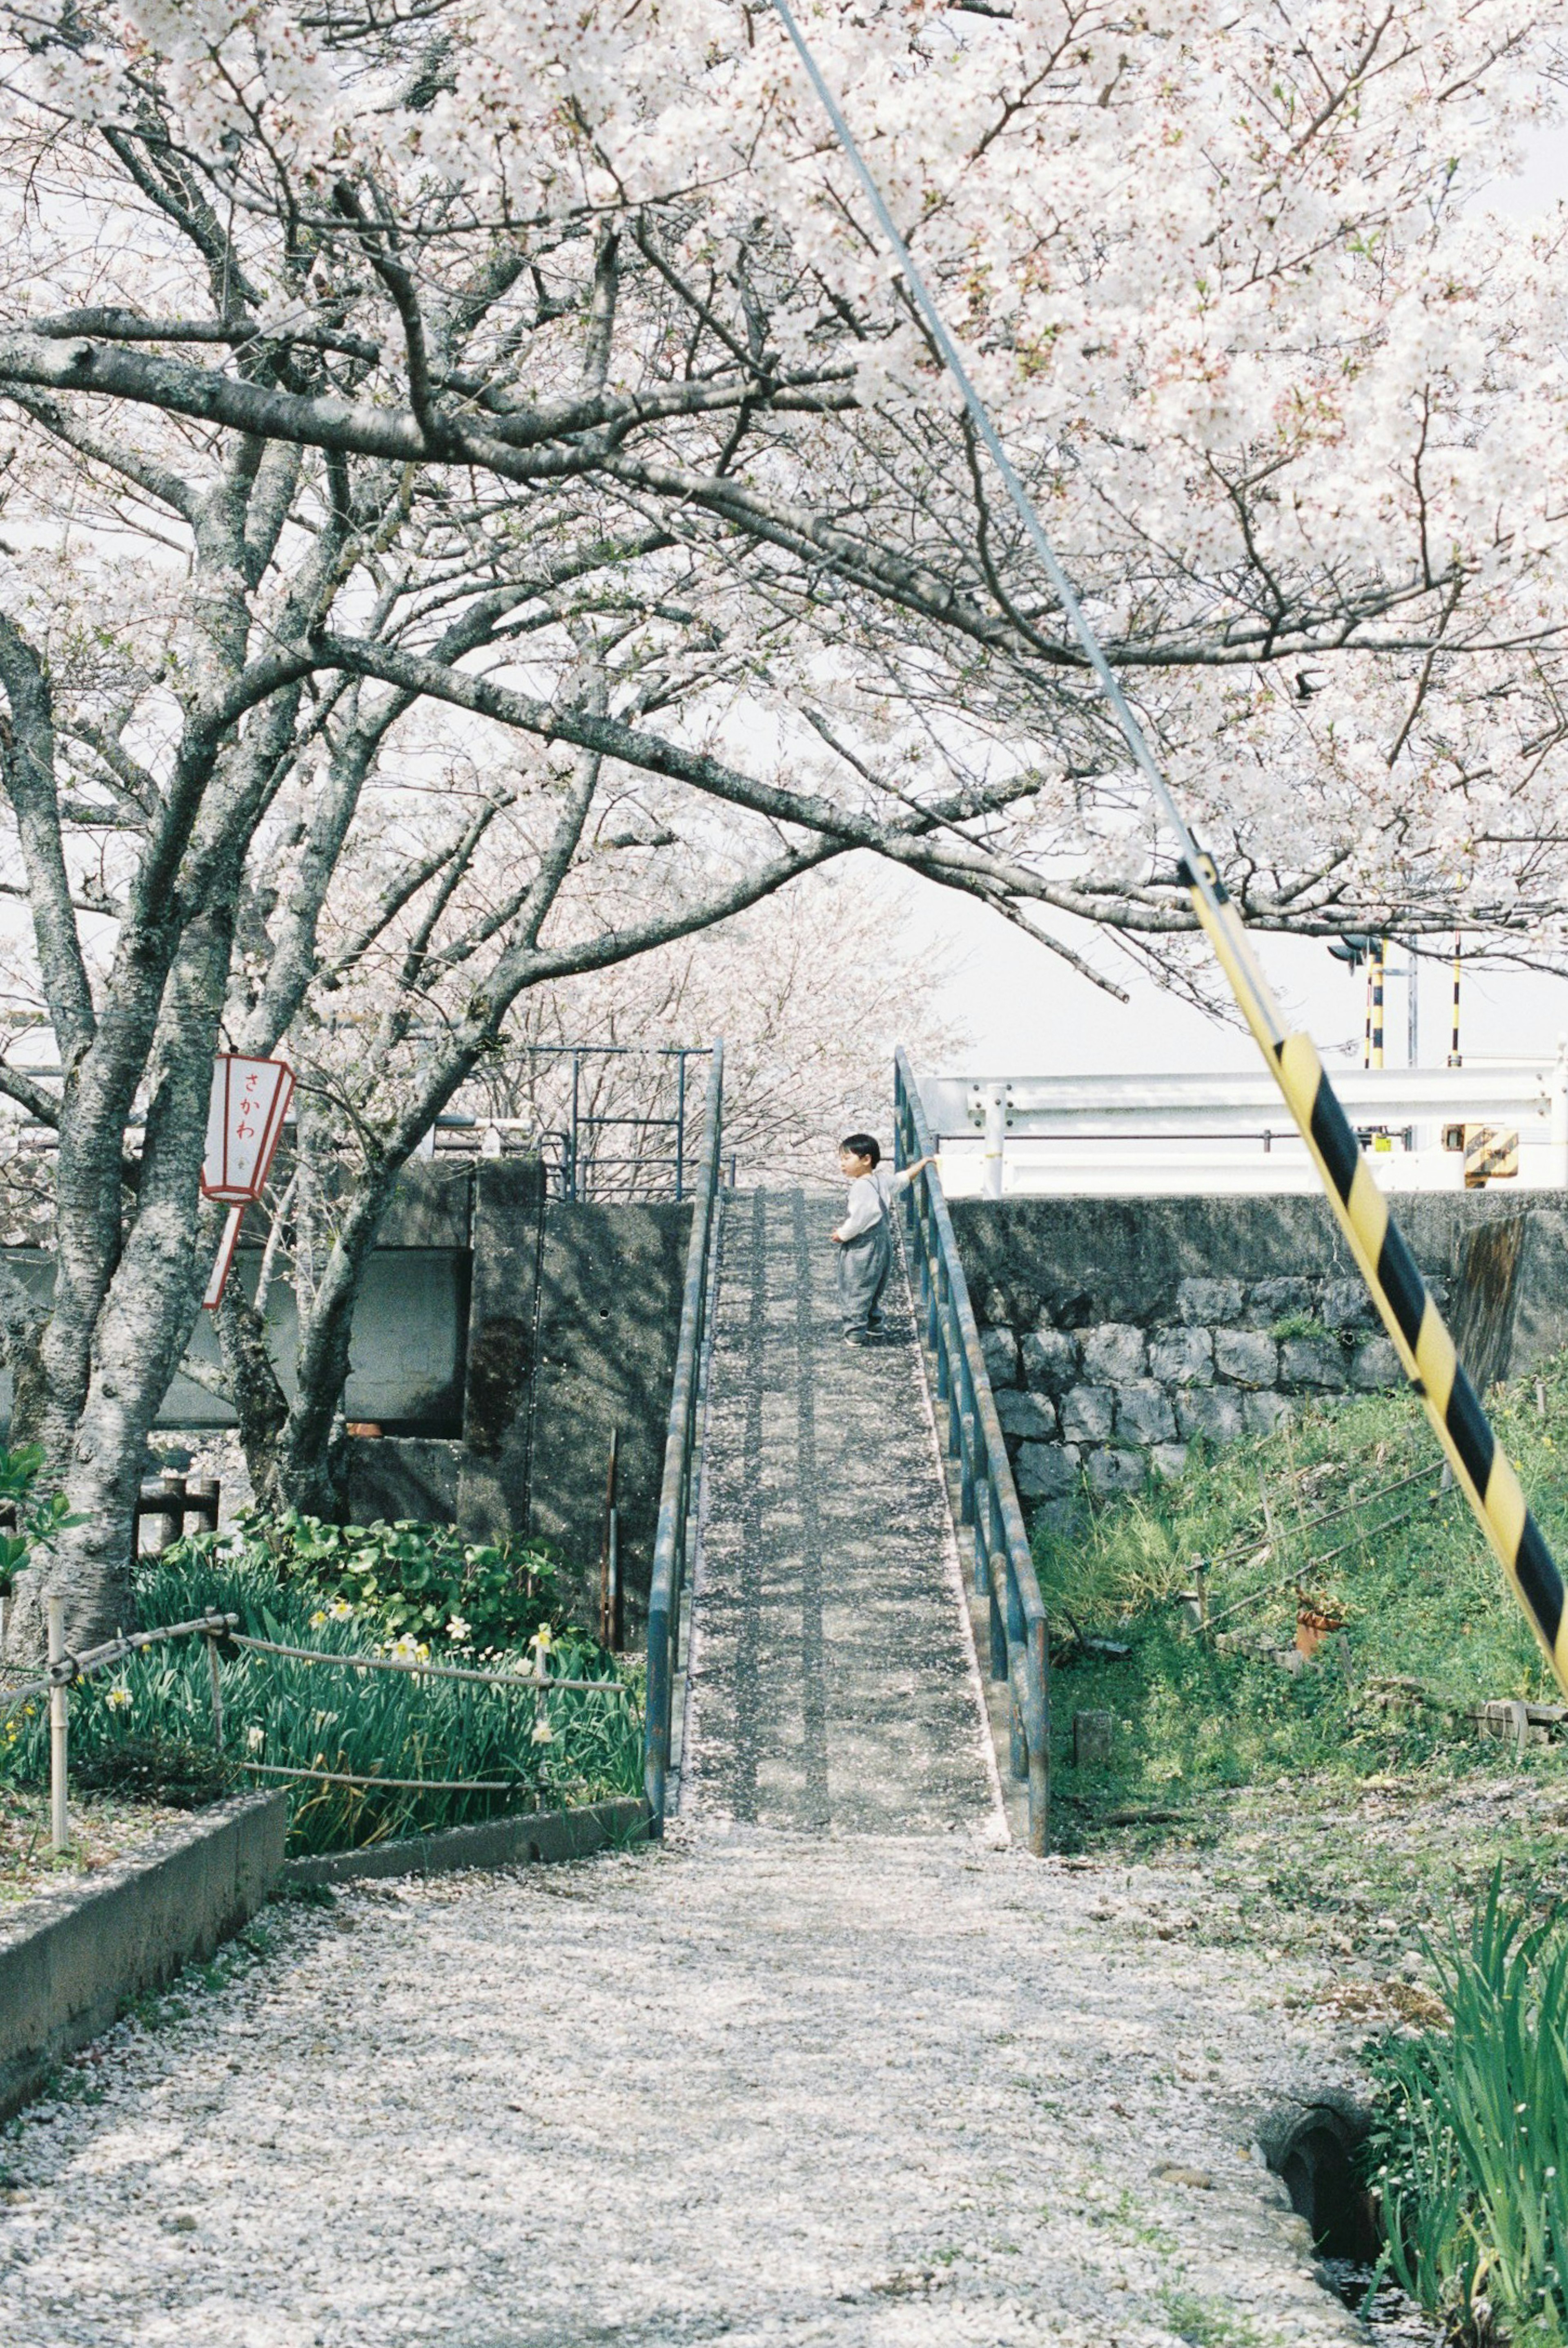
863,1145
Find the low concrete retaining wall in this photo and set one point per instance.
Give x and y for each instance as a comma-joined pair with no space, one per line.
540,1835
70,1962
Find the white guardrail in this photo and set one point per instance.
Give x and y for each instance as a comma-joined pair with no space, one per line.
1153,1133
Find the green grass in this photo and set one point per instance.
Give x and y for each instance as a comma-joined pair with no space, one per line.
1421,1596
1206,2323
148,1725
1330,1824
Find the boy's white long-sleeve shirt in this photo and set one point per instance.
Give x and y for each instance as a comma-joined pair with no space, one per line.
869,1195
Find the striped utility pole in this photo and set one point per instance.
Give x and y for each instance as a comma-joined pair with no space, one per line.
1375,973
1453,1048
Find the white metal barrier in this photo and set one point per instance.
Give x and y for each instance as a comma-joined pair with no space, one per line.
1183,1133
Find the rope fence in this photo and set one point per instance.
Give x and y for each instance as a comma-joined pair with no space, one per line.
432,1671
222,1633
395,1784
1243,1552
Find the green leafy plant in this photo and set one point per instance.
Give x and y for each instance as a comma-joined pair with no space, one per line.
39,1522
1470,2151
409,1579
1300,1324
182,1773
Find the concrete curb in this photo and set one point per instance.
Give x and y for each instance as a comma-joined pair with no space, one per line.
73,1960
534,1837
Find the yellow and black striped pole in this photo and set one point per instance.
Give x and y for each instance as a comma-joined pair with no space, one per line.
1386,1265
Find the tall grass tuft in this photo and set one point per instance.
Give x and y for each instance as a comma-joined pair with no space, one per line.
1470,2151
362,1723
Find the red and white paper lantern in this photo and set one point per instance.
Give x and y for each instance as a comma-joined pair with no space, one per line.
244,1125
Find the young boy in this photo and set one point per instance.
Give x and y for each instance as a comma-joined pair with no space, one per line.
864,1238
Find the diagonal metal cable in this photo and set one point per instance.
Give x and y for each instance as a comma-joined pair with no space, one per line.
1132,733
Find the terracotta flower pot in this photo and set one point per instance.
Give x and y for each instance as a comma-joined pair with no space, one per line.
1312,1629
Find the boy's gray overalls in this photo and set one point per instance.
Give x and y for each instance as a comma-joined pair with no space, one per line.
866,1257
863,1264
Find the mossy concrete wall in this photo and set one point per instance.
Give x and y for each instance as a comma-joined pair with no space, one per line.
500,1336
573,1318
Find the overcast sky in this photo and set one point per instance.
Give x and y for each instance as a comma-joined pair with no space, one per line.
1028,1013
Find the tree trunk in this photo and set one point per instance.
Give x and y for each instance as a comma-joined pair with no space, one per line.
259,1402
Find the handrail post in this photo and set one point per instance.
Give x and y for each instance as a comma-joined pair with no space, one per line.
1036,1731
59,1728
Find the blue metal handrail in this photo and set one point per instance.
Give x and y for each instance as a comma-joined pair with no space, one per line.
1003,1567
671,1542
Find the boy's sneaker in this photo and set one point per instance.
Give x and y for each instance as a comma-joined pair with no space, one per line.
874,1320
858,1336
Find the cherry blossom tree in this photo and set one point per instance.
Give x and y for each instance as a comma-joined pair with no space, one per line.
1289,400
531,378
811,991
181,817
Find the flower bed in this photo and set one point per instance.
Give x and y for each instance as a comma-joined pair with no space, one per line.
396,1752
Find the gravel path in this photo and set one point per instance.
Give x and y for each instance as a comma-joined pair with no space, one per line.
876,2094
833,1682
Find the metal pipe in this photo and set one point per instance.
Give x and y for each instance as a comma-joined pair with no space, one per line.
991,1180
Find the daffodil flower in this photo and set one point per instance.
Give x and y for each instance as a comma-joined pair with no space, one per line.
117,1698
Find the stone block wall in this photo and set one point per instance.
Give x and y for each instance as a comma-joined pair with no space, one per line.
1117,1331
1109,1400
